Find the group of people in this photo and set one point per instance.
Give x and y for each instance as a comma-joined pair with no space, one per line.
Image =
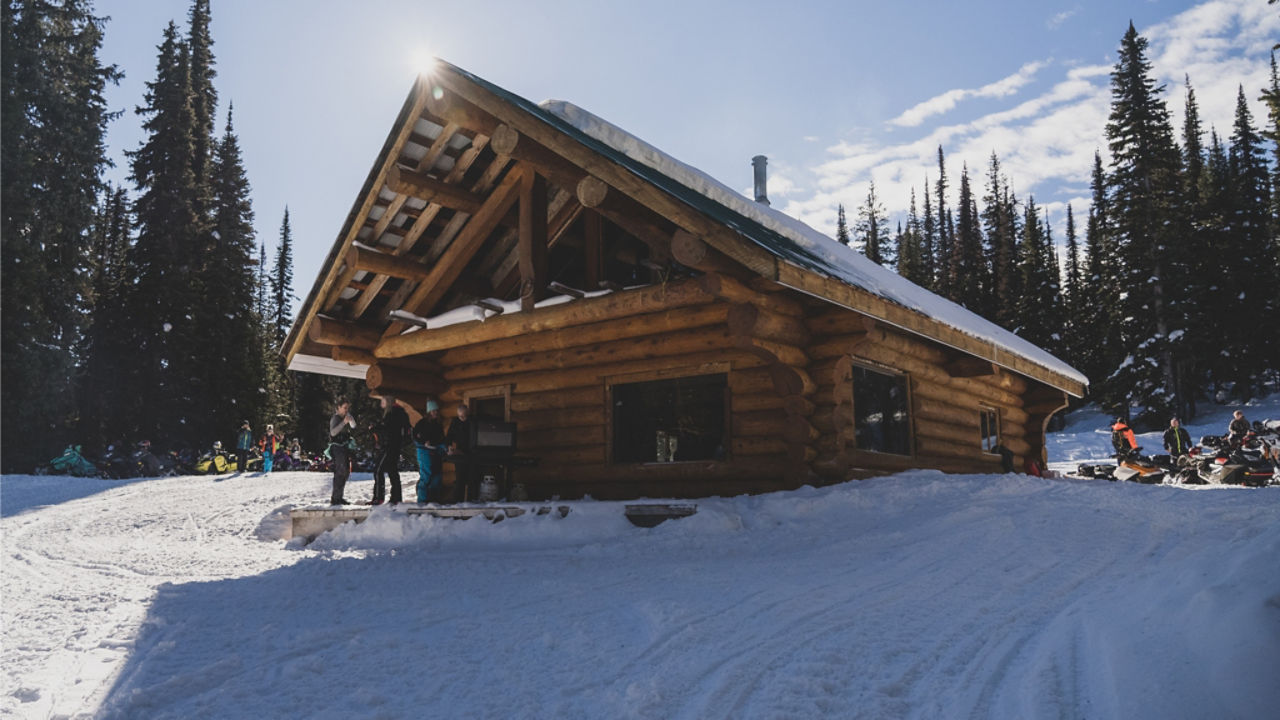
1177,441
269,444
394,430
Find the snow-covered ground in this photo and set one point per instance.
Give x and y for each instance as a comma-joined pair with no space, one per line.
918,595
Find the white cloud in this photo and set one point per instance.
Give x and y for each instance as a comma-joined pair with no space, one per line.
937,105
1046,143
1057,20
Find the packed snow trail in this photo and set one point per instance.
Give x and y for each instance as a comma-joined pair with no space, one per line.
920,595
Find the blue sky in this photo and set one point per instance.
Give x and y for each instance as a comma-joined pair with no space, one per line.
835,93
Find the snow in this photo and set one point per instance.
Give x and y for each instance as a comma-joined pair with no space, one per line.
841,261
920,595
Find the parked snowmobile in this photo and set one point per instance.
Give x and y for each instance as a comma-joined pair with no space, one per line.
1136,467
70,462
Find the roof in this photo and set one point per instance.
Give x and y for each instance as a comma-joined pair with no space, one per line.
772,243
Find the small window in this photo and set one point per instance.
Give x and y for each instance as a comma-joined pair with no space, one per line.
680,419
990,429
882,420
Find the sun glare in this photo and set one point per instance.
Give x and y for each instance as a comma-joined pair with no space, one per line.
423,60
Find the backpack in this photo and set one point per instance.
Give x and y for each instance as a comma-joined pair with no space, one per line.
1118,442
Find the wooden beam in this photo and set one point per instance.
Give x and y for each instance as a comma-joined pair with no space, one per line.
331,331
428,189
509,270
531,247
354,356
464,247
648,227
381,375
381,263
509,142
593,249
731,290
581,312
969,366
694,252
448,106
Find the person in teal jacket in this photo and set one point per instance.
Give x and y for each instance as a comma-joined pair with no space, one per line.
244,441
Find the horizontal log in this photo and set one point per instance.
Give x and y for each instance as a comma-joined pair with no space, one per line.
558,399
840,322
801,453
799,431
757,322
752,403
683,479
568,417
944,448
684,318
616,207
923,372
962,436
354,356
960,398
380,263
648,347
574,456
537,440
695,364
380,375
428,189
761,445
331,331
614,306
753,381
759,423
772,351
732,290
694,252
788,380
798,406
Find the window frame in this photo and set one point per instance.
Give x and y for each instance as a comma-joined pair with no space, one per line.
706,369
983,412
868,366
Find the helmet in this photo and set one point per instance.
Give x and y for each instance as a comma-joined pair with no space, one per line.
432,405
217,444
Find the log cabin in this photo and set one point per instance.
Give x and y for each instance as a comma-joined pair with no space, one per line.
649,331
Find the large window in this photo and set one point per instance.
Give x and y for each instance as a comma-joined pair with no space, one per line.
989,426
673,420
881,413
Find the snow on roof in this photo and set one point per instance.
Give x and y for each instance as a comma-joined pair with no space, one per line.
808,247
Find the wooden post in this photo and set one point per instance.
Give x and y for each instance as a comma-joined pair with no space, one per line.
593,249
531,247
331,331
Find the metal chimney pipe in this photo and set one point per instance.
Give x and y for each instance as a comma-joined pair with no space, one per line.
759,163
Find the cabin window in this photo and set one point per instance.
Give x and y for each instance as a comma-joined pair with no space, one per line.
882,419
989,426
670,420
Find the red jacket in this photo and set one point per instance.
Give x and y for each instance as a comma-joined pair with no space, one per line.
1127,432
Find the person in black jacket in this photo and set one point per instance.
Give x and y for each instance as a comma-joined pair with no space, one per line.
458,440
1238,428
1177,441
391,433
340,427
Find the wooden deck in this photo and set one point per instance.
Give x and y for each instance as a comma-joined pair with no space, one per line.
309,522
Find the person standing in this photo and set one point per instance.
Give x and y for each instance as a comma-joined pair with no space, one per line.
392,431
269,444
428,437
458,440
340,427
1177,441
244,442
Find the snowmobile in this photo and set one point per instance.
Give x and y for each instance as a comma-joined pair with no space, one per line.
1251,462
70,462
1132,465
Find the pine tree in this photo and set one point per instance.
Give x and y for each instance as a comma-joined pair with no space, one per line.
53,118
1039,311
105,350
165,392
1250,248
946,231
234,348
1103,315
870,231
968,267
928,242
1074,299
1145,184
842,226
1002,242
281,306
910,248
